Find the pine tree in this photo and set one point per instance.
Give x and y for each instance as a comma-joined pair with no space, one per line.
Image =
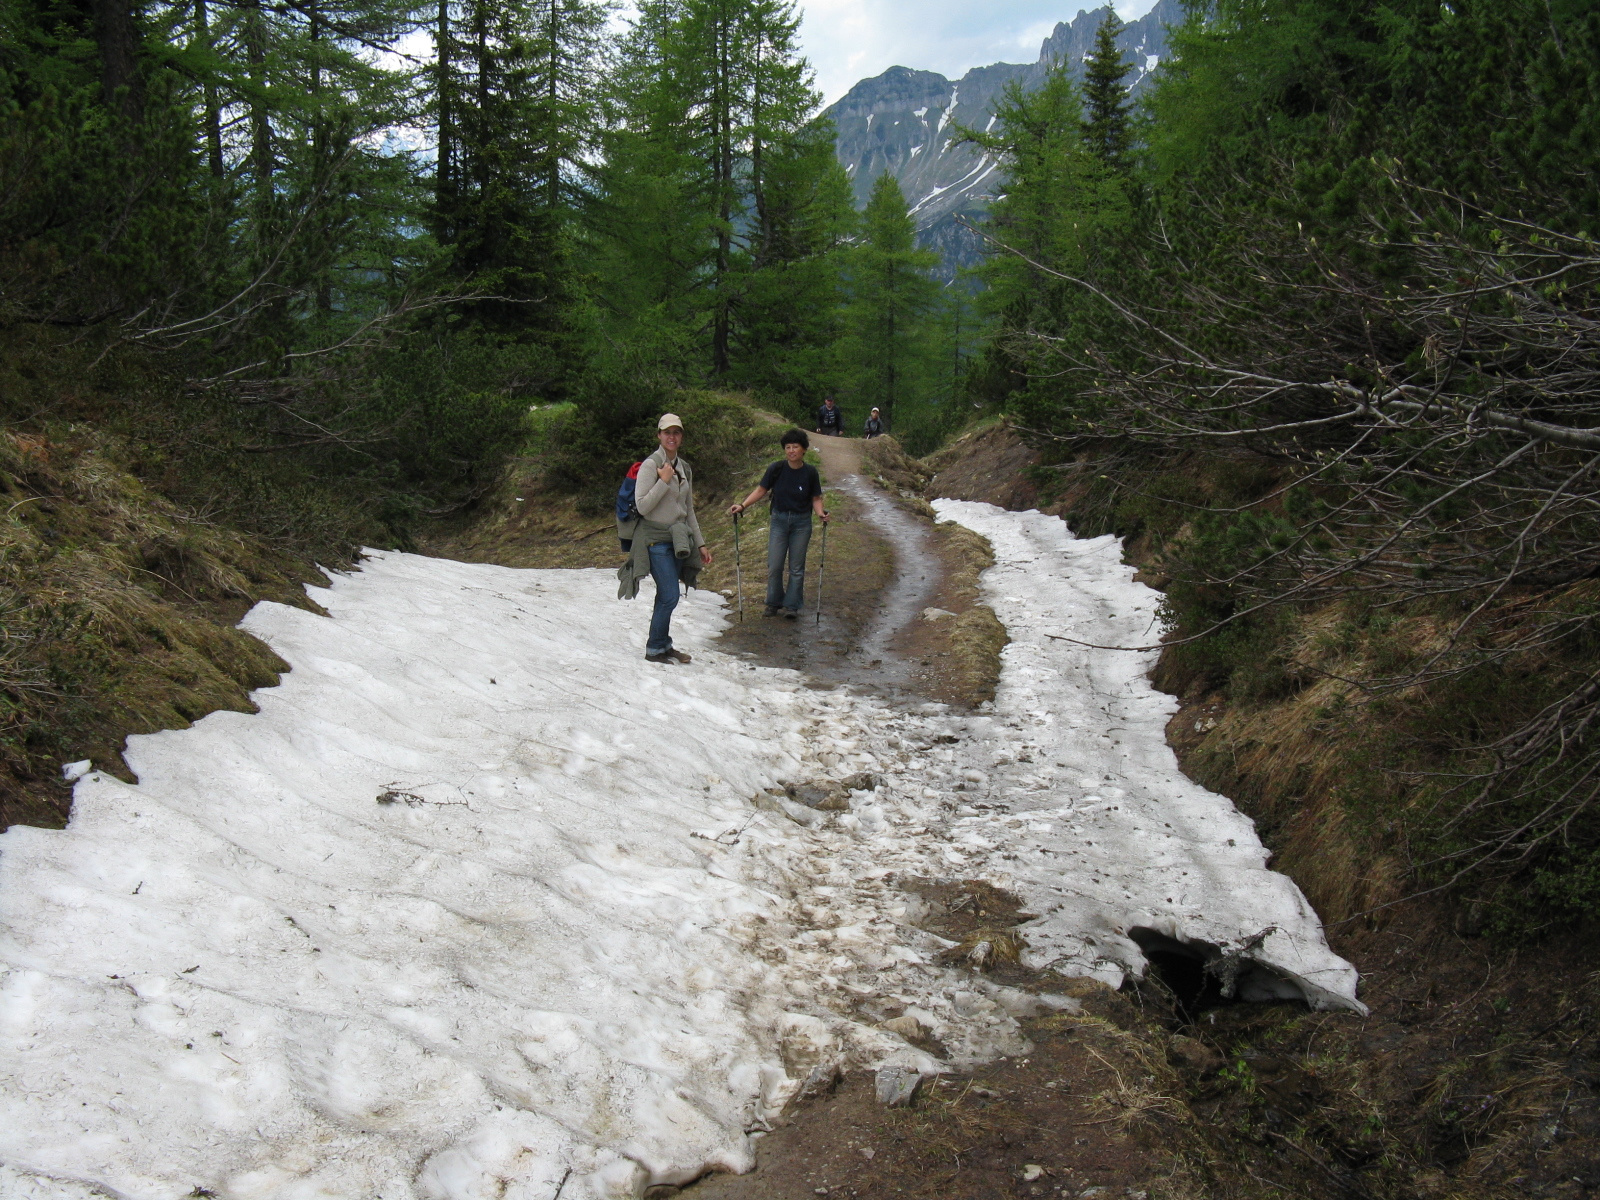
1059,196
893,298
1105,128
789,321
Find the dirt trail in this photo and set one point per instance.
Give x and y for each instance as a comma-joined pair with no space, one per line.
840,456
876,571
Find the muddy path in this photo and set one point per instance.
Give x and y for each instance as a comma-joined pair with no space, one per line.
1041,1125
877,568
1130,1096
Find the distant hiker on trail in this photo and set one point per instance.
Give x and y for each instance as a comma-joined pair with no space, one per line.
796,491
829,419
665,536
874,426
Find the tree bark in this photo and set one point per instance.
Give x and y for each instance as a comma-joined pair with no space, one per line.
553,98
444,173
255,51
213,110
117,35
722,118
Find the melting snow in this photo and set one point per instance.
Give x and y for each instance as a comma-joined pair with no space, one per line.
921,112
1103,780
479,901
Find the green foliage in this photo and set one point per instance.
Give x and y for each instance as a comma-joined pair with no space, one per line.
718,211
893,300
1062,201
790,318
1279,209
588,446
515,98
1106,125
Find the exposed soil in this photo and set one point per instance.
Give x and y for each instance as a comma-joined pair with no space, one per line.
990,464
1475,1075
1081,1112
119,614
885,565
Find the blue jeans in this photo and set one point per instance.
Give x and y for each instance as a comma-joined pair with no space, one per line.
788,537
664,570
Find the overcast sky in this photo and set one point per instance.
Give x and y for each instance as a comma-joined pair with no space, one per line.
851,40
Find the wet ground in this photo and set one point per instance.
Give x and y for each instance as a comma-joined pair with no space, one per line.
1076,1116
1475,1077
869,577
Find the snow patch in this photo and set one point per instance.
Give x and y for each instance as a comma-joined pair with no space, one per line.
1113,836
480,902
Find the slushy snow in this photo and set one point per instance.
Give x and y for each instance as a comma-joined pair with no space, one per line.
480,904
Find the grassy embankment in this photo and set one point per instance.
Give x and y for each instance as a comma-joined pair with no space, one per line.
137,525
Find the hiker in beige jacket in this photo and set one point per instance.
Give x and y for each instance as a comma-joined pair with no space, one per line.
668,536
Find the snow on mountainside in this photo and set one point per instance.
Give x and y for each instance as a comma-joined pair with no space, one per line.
906,122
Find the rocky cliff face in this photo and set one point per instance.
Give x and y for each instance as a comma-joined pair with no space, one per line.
905,122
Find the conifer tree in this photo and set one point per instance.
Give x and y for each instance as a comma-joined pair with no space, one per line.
516,94
789,319
717,191
893,297
1105,127
1059,196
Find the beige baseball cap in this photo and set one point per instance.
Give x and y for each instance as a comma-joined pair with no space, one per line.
668,420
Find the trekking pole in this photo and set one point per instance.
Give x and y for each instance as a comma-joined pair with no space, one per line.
738,571
821,567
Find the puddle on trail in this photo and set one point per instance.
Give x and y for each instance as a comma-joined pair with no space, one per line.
878,573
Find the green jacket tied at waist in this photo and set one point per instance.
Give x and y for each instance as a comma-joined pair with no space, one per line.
645,533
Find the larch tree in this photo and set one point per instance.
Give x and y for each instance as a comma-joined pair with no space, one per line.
516,92
717,189
893,297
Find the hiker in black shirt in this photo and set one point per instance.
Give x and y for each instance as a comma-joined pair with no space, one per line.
830,419
796,491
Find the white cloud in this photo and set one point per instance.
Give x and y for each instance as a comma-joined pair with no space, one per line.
851,40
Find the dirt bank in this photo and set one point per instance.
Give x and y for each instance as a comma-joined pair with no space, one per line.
1474,1076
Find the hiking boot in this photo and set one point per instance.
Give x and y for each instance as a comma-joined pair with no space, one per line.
792,613
772,611
669,656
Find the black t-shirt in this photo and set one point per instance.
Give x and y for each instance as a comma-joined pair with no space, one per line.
792,488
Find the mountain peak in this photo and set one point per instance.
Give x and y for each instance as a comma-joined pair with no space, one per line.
897,85
905,121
